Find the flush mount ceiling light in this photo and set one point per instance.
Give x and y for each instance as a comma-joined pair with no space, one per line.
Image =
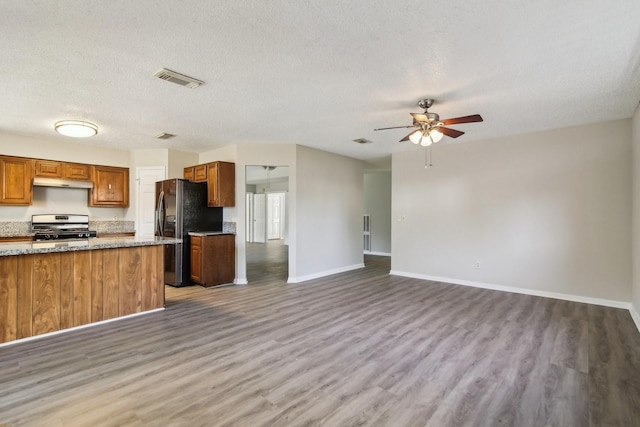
76,128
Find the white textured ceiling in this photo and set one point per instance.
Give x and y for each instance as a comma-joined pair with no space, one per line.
316,73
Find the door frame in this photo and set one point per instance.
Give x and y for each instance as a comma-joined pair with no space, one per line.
141,172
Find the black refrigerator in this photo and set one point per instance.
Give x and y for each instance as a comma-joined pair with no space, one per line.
181,207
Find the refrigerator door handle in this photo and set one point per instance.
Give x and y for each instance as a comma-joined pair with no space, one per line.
160,214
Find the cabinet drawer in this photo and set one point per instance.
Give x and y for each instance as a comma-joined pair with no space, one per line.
48,168
76,171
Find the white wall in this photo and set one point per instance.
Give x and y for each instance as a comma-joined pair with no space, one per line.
329,204
547,212
377,203
178,160
61,200
228,153
60,148
635,290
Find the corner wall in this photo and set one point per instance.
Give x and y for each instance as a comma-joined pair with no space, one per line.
546,213
329,208
635,289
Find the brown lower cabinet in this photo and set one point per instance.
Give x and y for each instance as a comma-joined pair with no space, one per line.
213,259
47,292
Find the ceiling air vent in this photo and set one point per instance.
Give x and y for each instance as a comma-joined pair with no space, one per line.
165,135
177,78
362,141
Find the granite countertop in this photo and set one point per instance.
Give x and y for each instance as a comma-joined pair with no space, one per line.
24,248
208,233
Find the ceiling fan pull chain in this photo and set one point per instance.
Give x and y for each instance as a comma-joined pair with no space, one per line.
428,157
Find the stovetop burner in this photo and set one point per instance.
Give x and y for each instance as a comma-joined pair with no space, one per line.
59,227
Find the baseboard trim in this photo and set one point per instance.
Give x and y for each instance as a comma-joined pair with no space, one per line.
377,253
635,316
324,273
76,328
545,294
241,281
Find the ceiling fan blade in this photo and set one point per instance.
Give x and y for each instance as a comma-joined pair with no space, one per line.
420,117
450,132
406,138
465,119
395,127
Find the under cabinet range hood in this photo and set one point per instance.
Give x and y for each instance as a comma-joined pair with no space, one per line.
39,181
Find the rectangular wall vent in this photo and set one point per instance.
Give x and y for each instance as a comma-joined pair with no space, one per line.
177,78
165,135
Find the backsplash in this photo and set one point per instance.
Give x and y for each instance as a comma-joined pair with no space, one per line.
15,228
102,227
23,228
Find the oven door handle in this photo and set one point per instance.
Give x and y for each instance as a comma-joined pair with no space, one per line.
160,214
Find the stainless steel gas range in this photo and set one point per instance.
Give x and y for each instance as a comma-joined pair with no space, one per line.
61,227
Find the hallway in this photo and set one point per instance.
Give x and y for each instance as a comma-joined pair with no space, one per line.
267,262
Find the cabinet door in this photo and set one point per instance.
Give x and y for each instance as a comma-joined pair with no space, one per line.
110,187
76,171
48,168
200,173
196,259
16,174
218,260
221,184
188,173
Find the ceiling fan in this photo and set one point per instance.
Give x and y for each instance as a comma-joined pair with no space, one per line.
430,129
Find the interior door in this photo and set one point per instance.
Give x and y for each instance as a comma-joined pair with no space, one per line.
147,178
275,215
259,218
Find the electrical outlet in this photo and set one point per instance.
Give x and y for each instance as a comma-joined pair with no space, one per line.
115,217
477,265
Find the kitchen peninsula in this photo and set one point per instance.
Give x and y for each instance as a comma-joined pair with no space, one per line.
52,286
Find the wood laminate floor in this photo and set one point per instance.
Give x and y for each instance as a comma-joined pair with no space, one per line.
267,262
358,348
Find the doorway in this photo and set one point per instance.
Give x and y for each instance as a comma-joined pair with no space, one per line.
266,223
146,203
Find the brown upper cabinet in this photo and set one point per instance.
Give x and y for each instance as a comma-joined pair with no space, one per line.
76,171
110,186
221,182
48,168
188,173
200,173
53,169
16,174
196,173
